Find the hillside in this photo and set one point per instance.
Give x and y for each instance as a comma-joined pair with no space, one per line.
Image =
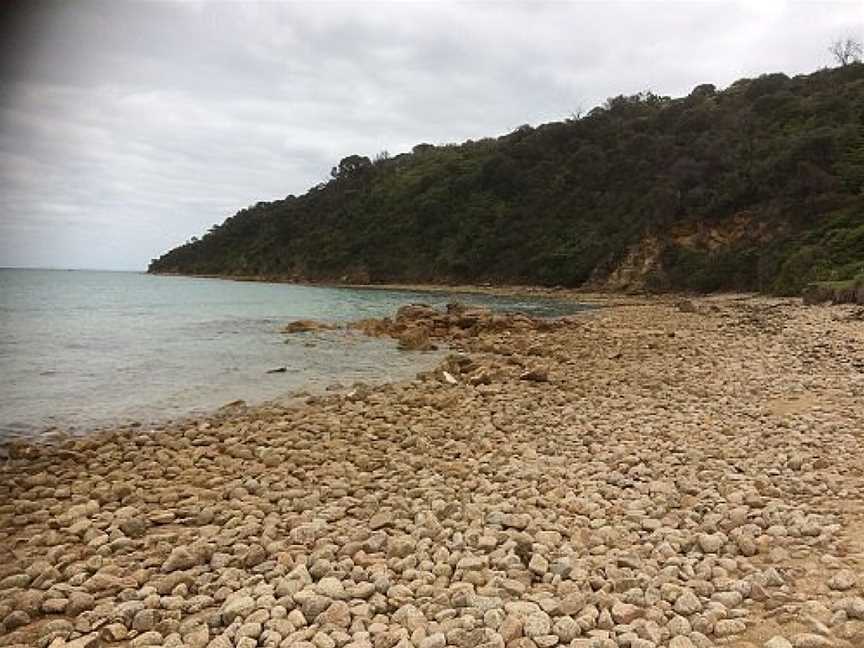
756,187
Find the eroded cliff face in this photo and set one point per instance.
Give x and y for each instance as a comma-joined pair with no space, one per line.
643,263
631,274
742,226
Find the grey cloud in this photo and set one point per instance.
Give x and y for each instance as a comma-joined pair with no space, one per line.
127,127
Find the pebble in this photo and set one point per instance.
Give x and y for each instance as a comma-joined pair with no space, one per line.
638,490
807,640
778,642
843,580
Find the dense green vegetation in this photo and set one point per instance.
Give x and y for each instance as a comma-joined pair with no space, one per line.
759,186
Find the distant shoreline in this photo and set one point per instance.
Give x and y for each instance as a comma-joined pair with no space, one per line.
585,295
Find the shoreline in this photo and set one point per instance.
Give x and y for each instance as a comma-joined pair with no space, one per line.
527,290
294,395
675,474
309,394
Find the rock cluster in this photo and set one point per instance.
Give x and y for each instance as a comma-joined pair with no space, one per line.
416,325
642,476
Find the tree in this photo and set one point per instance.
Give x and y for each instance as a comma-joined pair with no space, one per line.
351,165
736,181
704,90
846,51
577,114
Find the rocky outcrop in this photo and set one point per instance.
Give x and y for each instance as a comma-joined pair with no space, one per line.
415,325
415,339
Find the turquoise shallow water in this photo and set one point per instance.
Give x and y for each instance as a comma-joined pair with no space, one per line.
82,349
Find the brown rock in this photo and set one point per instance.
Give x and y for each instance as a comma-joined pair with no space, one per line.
306,326
415,339
538,374
16,619
79,602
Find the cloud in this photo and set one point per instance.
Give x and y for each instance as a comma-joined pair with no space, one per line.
126,128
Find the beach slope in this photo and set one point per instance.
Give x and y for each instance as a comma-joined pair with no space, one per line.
658,473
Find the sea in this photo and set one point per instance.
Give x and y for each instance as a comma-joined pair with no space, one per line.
83,350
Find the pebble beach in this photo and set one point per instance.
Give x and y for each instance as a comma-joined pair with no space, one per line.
651,473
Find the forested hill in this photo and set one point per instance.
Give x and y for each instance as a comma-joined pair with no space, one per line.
758,186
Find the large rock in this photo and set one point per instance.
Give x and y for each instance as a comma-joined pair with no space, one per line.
151,638
854,607
238,606
415,339
108,583
331,587
810,640
181,558
688,603
625,612
778,641
537,624
843,580
537,374
134,527
338,614
90,640
79,602
306,326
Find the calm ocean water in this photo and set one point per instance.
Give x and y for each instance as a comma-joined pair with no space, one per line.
82,349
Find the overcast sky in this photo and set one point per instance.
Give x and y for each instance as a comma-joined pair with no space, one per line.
128,127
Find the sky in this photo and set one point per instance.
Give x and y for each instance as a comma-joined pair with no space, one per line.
128,127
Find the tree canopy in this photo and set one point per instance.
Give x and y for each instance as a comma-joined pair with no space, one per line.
758,186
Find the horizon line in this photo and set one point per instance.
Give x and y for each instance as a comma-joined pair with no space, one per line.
63,269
